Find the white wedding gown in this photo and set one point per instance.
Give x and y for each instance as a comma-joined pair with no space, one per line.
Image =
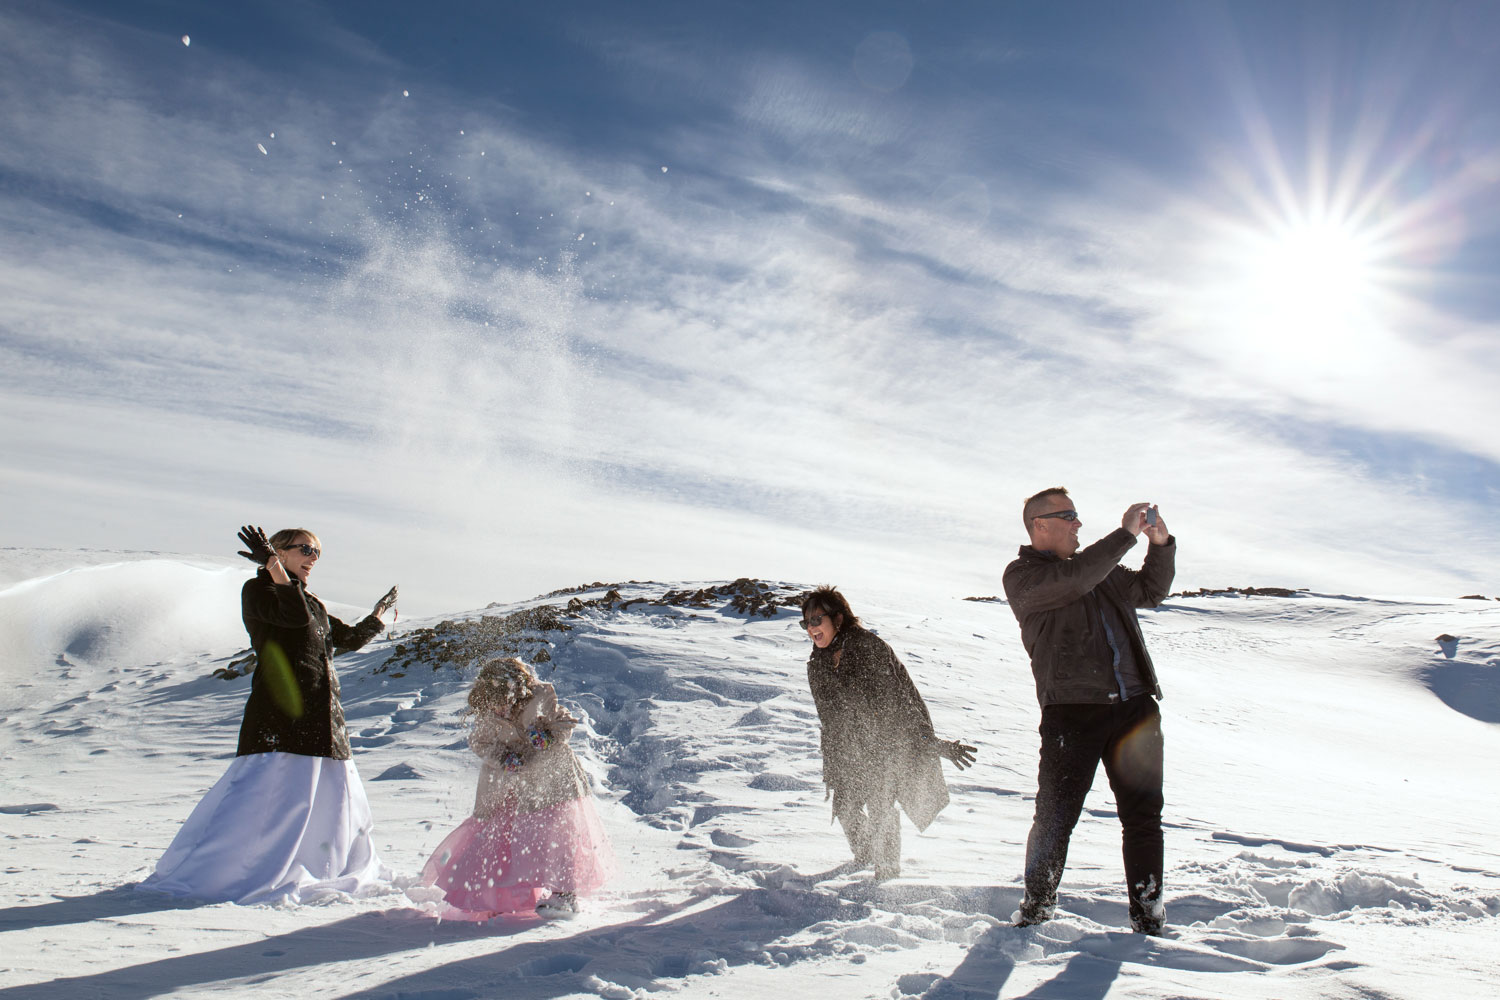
277,827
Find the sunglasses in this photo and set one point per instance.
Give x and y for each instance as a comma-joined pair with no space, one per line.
1066,515
812,622
304,548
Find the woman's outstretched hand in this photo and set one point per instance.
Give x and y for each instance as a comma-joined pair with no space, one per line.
255,540
384,604
961,755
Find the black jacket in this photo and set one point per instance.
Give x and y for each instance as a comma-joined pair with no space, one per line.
294,694
876,729
1057,603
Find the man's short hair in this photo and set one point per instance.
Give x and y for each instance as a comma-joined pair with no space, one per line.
1034,503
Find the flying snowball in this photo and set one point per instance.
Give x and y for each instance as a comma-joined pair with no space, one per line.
262,149
186,40
405,93
663,169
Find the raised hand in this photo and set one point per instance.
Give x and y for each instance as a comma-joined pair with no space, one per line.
255,540
1157,533
1134,520
960,754
385,603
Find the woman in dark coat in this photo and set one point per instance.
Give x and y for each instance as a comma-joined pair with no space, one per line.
289,819
879,748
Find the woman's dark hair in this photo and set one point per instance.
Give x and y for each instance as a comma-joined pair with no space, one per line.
828,600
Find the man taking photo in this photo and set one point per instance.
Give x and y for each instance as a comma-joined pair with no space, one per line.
1097,688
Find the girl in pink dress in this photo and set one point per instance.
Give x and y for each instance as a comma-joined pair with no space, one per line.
534,841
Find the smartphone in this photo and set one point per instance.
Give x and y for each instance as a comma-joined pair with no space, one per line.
1151,516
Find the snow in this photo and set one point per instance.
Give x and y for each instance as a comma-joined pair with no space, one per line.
1331,806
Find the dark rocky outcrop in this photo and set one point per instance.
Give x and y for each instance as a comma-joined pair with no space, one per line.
1242,591
525,633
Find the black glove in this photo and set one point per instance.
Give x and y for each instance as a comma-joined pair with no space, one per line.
385,603
255,540
961,755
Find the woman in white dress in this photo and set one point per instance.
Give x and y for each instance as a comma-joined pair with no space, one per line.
289,819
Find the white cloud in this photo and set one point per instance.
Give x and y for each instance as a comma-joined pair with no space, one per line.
840,362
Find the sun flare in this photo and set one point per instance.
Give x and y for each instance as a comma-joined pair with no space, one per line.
1310,278
1301,289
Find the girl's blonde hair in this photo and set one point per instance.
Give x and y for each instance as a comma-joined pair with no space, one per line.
503,683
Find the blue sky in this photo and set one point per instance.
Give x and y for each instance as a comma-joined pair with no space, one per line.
501,298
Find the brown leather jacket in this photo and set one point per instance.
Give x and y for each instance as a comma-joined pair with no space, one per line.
1057,600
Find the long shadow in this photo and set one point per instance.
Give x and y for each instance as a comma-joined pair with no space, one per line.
123,901
641,955
1085,977
982,973
366,935
645,949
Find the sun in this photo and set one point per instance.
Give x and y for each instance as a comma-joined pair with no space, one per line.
1309,279
1296,296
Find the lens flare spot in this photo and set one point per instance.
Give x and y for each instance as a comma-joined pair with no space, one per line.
276,673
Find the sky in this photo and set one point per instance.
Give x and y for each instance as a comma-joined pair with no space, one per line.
501,298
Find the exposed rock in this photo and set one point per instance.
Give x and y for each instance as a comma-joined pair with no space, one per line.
747,596
584,588
1475,597
461,643
1445,637
243,663
992,598
1243,591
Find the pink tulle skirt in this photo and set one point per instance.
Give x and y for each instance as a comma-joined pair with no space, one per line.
508,862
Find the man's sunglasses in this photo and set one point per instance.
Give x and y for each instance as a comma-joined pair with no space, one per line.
812,622
304,548
1066,515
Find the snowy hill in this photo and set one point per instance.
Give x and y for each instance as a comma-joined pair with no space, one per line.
1331,806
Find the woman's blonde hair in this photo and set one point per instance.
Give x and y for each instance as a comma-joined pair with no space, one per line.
287,537
503,683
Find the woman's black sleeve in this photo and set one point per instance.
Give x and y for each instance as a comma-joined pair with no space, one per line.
280,604
347,638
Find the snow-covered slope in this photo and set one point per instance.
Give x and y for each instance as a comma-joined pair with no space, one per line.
1331,780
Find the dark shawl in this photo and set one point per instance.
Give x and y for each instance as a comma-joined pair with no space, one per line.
875,725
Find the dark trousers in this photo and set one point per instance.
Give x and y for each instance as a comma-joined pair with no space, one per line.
871,822
1075,738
